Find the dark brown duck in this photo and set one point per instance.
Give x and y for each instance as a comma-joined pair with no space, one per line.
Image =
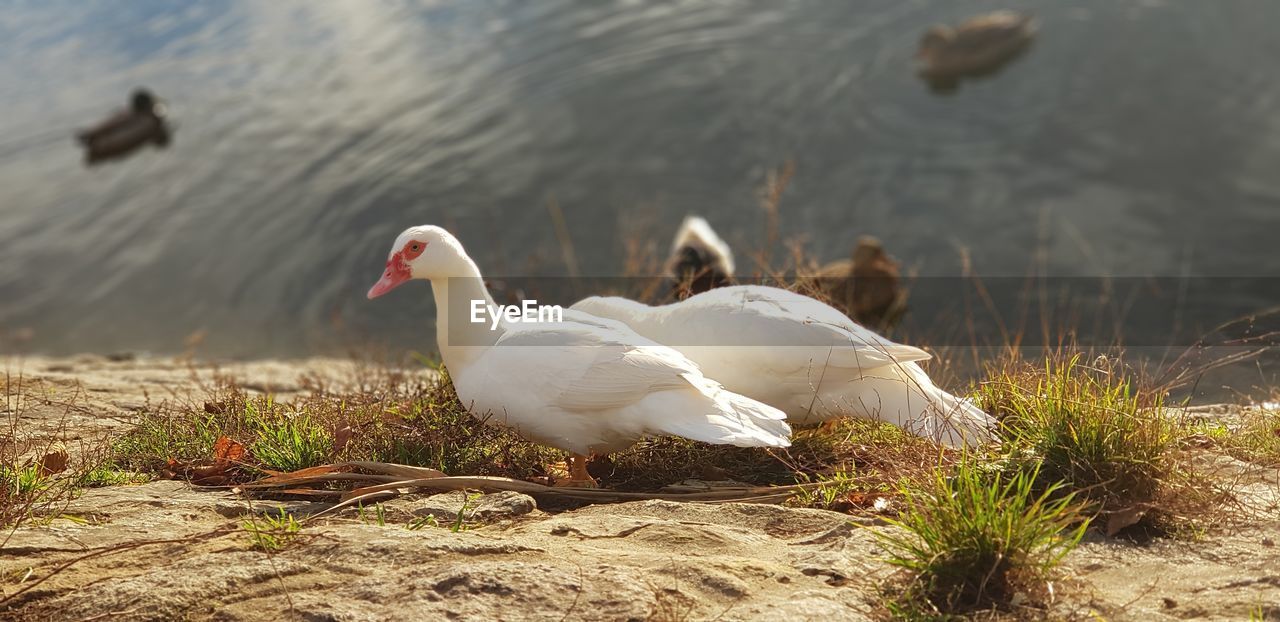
976,47
125,132
866,287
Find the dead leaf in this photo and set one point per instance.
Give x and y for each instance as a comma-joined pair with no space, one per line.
281,478
206,472
341,437
227,451
1124,518
211,480
172,469
54,462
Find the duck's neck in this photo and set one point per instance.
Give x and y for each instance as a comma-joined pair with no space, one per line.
460,339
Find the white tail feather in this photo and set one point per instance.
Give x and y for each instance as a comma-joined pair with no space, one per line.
736,420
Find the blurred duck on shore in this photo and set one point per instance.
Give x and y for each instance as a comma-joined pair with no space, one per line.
699,260
977,47
866,287
129,129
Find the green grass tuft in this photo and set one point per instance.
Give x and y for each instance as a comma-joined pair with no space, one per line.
376,516
107,475
423,521
1088,428
272,532
163,435
831,492
408,420
975,538
460,521
23,481
288,441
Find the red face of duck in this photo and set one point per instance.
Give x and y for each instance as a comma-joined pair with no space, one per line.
398,270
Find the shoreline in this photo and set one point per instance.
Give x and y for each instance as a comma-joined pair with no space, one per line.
511,559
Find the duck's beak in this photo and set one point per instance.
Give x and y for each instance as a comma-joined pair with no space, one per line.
396,274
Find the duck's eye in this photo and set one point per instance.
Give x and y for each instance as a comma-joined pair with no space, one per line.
413,248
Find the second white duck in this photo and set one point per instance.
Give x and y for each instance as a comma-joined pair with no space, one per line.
584,384
804,357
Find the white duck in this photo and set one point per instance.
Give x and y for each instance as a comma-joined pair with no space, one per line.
803,357
583,384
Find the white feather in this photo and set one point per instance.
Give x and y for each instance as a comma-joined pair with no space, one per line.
802,356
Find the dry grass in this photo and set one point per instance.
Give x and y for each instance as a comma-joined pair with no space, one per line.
880,454
417,419
1104,434
1258,437
407,419
39,477
1088,426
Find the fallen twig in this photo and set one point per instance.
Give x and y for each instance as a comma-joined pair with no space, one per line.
393,479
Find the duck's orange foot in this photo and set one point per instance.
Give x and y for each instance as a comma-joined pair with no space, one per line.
578,476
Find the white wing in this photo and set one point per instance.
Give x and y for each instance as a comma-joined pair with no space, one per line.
795,324
599,368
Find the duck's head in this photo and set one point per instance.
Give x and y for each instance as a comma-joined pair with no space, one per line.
934,39
699,260
423,252
144,101
868,249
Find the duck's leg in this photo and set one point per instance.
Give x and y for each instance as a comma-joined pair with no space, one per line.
578,476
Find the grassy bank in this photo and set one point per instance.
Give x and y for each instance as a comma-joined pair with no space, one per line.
1085,445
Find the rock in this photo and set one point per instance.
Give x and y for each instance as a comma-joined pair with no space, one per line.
485,590
631,561
505,504
178,589
445,507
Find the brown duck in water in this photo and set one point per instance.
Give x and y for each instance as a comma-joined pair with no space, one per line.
122,134
977,47
866,287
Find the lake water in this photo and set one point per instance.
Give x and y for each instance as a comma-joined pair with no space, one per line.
1135,139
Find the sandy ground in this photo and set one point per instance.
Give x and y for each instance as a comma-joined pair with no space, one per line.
180,553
